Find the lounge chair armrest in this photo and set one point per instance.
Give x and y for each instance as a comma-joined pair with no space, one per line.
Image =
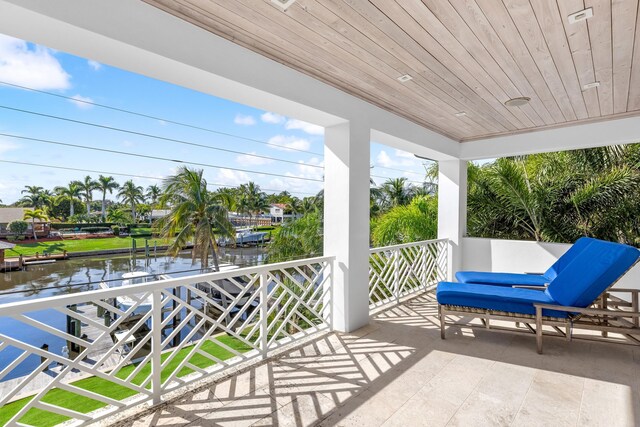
633,291
596,311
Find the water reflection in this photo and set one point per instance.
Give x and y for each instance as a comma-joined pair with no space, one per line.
83,274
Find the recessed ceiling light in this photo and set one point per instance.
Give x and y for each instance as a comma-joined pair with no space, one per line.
517,102
590,85
580,15
284,4
404,78
460,114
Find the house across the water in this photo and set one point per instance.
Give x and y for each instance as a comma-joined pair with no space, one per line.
8,215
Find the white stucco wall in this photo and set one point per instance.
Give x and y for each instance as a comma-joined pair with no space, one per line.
515,256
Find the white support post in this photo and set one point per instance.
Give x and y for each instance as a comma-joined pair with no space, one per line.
156,347
346,221
264,314
452,209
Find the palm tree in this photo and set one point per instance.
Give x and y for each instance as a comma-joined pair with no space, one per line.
106,184
558,197
252,199
228,198
196,215
299,238
153,194
86,187
405,224
33,215
131,194
35,197
71,193
396,192
117,216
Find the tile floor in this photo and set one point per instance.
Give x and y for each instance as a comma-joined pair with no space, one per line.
398,372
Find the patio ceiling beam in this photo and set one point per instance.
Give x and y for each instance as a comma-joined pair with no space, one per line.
596,134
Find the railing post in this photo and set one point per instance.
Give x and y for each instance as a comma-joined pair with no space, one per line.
327,304
264,313
425,261
156,347
396,275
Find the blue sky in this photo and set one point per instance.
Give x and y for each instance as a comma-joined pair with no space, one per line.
40,68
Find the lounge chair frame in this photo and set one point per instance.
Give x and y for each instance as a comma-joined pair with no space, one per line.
609,313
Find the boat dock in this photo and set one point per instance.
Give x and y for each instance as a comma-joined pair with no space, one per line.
21,263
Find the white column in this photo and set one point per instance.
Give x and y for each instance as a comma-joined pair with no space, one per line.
346,221
452,209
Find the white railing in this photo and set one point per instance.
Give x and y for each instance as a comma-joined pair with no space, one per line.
131,344
401,270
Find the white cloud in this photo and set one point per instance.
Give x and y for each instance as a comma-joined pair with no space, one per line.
287,143
82,101
405,155
6,146
244,120
303,170
273,118
398,159
309,128
35,67
383,159
94,64
249,160
231,177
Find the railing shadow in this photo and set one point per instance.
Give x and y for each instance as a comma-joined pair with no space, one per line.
372,373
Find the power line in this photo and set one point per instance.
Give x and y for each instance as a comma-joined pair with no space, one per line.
126,153
147,135
130,175
148,116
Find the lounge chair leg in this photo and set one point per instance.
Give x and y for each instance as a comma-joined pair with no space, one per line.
539,329
441,316
568,331
605,334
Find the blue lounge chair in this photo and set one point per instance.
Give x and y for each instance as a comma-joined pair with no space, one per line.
517,279
567,299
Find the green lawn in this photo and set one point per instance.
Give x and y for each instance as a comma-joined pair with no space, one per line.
85,245
65,399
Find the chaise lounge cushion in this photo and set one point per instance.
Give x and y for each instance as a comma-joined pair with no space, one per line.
512,279
596,268
501,279
500,298
578,284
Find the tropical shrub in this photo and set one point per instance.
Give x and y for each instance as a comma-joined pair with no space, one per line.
297,239
558,197
404,224
18,227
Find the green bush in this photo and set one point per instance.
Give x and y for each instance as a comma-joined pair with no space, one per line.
18,227
116,230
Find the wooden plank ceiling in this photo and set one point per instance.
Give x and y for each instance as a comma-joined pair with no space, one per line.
465,56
